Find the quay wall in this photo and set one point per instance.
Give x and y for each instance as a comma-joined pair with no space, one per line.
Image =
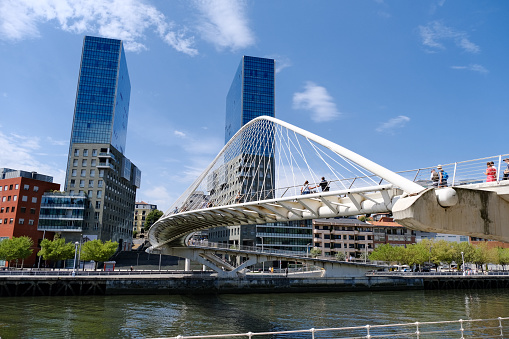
11,286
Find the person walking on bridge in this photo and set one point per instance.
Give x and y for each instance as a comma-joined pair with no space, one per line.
443,176
491,172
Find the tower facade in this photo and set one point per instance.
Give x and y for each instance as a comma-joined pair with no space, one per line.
97,167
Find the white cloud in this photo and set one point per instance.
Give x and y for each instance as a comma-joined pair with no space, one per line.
158,195
473,67
317,100
57,142
179,134
282,62
127,20
224,23
435,34
392,124
17,152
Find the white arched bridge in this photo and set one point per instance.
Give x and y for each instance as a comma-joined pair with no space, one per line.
271,171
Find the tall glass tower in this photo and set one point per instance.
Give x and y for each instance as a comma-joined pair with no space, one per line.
97,167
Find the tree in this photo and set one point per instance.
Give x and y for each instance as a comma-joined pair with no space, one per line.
415,254
16,248
56,249
152,217
98,251
340,256
483,254
315,252
503,257
443,252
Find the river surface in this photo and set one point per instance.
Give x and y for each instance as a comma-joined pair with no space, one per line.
164,316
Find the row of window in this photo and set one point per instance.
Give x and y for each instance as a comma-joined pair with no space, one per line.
16,187
21,221
83,173
100,183
90,193
13,209
15,198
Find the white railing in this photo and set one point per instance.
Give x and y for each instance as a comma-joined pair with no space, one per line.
471,328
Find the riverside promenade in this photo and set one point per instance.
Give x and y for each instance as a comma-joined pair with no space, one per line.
63,283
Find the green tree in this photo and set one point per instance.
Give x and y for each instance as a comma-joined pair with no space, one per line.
340,256
388,253
56,249
503,257
468,253
152,217
483,255
98,251
16,248
443,252
415,254
315,252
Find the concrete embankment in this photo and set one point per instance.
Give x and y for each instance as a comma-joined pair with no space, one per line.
166,284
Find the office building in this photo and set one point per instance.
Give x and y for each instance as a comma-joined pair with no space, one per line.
97,166
141,209
20,200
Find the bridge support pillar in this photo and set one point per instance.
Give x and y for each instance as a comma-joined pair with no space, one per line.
187,265
481,212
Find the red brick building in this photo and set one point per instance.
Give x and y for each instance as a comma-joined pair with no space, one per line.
20,200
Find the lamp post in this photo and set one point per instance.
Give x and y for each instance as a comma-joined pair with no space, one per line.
75,256
463,259
307,250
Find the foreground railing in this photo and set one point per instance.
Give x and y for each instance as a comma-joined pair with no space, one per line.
471,328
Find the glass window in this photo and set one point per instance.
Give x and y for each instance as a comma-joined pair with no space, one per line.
90,193
94,152
84,163
101,173
26,187
91,183
97,204
7,210
32,211
85,152
11,220
73,182
24,198
21,221
83,173
93,162
15,198
99,194
75,162
81,193
23,209
2,210
71,192
30,221
10,187
92,173
17,187
1,188
3,199
36,188
82,183
74,173
100,183
76,152
34,199
6,187
9,198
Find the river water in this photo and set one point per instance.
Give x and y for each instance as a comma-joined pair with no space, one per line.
164,316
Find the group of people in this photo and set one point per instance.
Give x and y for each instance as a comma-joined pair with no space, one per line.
307,189
439,176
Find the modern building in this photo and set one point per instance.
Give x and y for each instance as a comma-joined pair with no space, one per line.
97,166
141,209
62,213
387,231
21,193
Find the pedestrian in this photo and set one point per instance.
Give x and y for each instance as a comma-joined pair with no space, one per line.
434,177
324,184
286,272
131,268
491,172
506,171
443,176
306,189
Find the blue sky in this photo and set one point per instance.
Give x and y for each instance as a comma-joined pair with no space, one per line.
406,84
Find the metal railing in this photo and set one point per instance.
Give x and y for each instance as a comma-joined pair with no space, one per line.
470,328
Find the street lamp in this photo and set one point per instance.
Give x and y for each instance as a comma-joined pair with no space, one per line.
463,259
75,256
307,250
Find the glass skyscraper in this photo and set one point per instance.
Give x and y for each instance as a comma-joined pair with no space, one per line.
252,94
97,167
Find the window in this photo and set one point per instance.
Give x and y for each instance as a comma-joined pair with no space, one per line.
9,198
1,188
75,162
26,187
91,183
101,173
82,183
83,173
5,188
73,183
90,193
13,209
99,194
74,173
32,211
84,163
36,188
7,210
34,200
92,173
71,192
10,187
2,210
100,183
76,152
93,163
17,186
15,198
3,199
97,204
5,220
85,152
0,221
94,152
30,221
23,209
11,220
81,193
96,216
21,221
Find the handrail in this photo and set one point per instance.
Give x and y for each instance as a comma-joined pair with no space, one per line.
416,329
